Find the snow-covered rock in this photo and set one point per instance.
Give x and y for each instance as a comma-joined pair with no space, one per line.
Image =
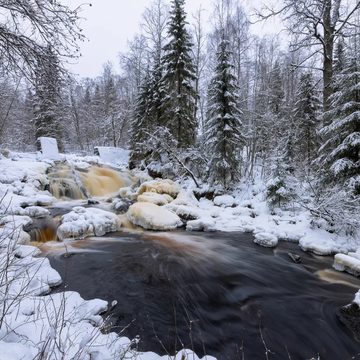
153,217
153,197
82,222
185,198
202,224
186,212
49,148
347,263
224,201
128,193
266,239
161,187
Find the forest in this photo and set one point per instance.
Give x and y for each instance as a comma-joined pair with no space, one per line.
200,96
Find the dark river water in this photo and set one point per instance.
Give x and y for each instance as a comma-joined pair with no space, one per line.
215,293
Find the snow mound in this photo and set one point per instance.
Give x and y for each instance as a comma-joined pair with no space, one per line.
185,198
202,224
128,193
347,263
153,217
154,198
161,187
83,222
186,212
11,231
224,201
266,239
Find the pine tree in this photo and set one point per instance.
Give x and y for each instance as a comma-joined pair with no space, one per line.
305,116
340,154
143,121
47,99
223,128
178,79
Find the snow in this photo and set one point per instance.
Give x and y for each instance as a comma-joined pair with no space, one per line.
114,156
224,201
266,239
153,217
49,148
83,222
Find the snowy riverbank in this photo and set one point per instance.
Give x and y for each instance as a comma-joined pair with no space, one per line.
63,325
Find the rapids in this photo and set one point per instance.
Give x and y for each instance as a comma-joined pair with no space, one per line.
216,293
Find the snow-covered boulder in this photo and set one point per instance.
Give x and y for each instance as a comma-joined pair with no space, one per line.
153,197
128,193
266,239
185,198
347,263
153,217
202,224
224,201
161,187
82,222
186,212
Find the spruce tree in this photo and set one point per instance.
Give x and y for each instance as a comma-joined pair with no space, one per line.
178,79
47,99
305,115
223,128
340,154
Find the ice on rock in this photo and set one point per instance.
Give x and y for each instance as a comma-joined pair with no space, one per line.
185,198
202,224
266,239
82,222
128,193
153,197
49,148
34,211
161,187
224,201
187,212
347,263
153,217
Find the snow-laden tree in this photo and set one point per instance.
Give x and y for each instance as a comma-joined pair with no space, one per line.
47,100
29,27
340,154
306,114
224,129
178,79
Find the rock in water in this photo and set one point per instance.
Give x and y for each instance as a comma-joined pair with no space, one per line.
153,217
295,257
266,239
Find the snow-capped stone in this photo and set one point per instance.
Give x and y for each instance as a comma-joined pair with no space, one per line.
153,217
152,197
161,187
224,201
266,239
186,212
202,224
347,263
185,198
82,222
128,193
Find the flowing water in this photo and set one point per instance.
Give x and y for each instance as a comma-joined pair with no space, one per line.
216,293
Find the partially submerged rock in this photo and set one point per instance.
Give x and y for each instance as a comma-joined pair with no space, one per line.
81,223
153,217
295,257
347,263
266,239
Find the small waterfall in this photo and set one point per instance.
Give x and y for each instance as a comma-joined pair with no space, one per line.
67,181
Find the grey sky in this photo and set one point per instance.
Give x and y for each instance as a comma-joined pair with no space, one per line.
108,26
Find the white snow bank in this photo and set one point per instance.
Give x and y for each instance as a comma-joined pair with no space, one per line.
224,201
347,263
153,217
161,187
83,222
153,197
266,239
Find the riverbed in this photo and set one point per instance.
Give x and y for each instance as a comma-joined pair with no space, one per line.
216,293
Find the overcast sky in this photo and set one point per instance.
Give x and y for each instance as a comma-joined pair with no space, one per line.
108,24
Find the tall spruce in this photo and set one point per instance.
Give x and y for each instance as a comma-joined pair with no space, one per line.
47,99
340,154
306,119
178,80
224,128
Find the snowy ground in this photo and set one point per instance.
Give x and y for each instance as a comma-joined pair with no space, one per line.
64,326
